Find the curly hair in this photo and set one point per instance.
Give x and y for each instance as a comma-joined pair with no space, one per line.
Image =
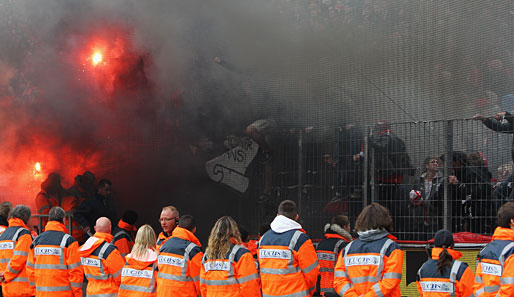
224,231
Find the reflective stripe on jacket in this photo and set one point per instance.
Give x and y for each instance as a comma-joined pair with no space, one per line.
369,268
234,276
456,281
495,266
54,263
288,264
327,251
180,259
123,238
102,264
14,250
139,277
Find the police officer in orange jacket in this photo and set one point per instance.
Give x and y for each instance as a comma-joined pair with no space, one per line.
443,275
495,262
287,259
372,264
54,263
337,236
102,261
169,220
124,233
180,259
14,250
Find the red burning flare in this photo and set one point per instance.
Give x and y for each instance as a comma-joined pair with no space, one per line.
96,58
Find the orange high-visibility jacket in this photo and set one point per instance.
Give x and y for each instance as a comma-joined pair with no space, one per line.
163,236
102,263
70,204
14,250
370,266
139,276
234,276
287,260
124,237
328,251
54,263
456,281
2,229
180,259
495,266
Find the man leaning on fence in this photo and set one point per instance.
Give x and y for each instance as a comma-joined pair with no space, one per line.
501,122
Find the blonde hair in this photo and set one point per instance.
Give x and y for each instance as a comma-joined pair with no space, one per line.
145,239
173,209
224,231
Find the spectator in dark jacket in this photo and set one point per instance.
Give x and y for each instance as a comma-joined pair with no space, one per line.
392,163
101,205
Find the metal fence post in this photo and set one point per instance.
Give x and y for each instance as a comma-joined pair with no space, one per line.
365,171
447,209
300,169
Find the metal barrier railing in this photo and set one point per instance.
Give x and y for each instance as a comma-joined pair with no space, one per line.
39,217
338,171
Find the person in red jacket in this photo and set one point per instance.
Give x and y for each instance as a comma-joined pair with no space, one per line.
443,275
372,264
228,268
287,259
102,261
139,275
337,236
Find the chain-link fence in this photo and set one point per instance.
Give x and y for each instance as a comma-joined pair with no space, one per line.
330,171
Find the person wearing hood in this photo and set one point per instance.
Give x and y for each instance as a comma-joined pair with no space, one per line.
495,262
5,209
372,264
337,236
169,219
102,261
287,259
180,259
51,194
443,275
124,233
14,249
228,268
139,275
54,264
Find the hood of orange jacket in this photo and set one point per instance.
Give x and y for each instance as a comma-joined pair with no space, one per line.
94,242
126,226
332,235
15,222
437,251
142,262
55,226
283,224
503,234
185,234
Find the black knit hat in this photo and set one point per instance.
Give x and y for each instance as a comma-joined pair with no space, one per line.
443,237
